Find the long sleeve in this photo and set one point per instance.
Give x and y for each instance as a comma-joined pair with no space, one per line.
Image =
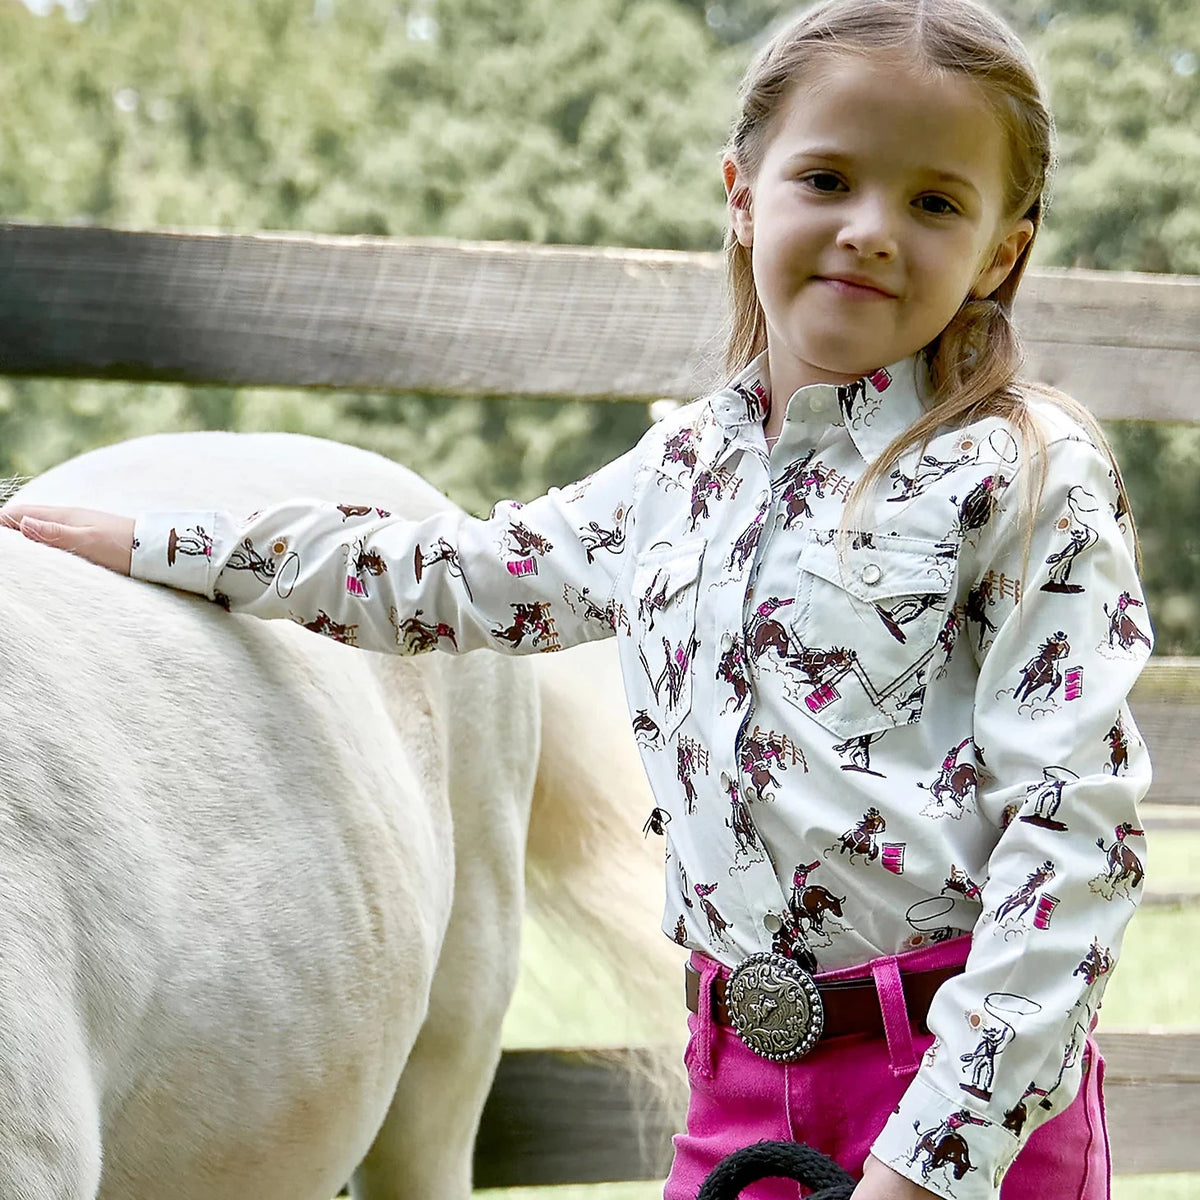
1062,770
532,577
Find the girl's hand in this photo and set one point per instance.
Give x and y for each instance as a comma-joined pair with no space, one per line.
880,1182
101,537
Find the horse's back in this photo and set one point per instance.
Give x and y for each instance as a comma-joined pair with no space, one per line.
228,859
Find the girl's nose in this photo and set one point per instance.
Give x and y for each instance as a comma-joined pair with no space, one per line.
868,230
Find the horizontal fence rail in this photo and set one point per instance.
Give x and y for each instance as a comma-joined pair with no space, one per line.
495,318
562,1116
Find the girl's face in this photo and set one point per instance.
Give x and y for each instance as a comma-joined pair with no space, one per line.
878,207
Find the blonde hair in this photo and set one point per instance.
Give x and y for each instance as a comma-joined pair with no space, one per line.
974,362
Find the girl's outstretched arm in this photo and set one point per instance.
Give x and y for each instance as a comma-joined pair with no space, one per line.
531,577
104,538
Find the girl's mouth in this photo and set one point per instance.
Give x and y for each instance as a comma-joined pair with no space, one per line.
856,288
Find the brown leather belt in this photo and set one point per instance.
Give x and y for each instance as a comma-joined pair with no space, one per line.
851,1006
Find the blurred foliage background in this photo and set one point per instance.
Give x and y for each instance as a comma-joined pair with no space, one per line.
574,121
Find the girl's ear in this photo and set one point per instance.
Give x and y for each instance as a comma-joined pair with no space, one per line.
737,192
1004,258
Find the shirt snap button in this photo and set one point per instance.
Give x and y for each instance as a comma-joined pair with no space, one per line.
772,922
871,573
725,781
818,403
763,497
726,640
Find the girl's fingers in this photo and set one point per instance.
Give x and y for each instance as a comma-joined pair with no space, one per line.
11,515
103,538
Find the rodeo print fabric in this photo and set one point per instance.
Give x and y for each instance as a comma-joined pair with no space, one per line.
858,744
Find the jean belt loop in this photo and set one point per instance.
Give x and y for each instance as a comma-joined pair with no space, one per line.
896,1023
706,1056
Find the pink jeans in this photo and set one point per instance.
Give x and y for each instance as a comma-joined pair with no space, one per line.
839,1097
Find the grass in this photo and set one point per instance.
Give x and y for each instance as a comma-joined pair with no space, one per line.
1153,986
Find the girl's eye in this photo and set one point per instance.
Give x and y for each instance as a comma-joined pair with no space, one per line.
938,206
823,181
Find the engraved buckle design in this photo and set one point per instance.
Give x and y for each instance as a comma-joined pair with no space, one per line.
775,1007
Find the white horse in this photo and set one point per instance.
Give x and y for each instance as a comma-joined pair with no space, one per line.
260,893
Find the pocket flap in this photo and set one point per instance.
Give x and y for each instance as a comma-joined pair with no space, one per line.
666,571
884,565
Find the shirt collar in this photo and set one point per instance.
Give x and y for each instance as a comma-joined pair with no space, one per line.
874,409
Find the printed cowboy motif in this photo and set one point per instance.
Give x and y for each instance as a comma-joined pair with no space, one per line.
195,541
1123,632
442,552
1071,1056
1011,913
1004,1009
1118,746
657,822
1080,538
691,757
654,598
952,793
959,882
797,483
582,605
948,636
667,682
350,511
748,848
364,562
525,548
858,749
896,694
715,485
681,448
733,669
746,544
611,539
1124,871
646,731
419,637
1096,964
246,558
717,925
1042,670
533,621
863,837
766,632
763,752
813,909
942,1148
325,625
1043,799
979,505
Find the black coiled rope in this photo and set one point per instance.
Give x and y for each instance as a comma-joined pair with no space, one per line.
777,1160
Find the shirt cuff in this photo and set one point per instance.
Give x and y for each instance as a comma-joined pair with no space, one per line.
174,548
944,1147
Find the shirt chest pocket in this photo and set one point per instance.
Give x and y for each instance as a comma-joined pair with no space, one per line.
666,585
865,630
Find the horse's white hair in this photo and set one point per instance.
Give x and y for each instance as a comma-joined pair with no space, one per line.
260,894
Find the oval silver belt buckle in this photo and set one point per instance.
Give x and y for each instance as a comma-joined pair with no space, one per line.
775,1007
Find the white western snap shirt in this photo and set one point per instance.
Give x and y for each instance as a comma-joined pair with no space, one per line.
855,749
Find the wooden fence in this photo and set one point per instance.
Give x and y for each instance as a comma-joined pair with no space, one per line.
483,319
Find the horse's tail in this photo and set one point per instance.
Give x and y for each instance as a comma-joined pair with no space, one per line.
595,882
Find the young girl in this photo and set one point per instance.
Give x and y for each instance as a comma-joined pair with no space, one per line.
877,612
